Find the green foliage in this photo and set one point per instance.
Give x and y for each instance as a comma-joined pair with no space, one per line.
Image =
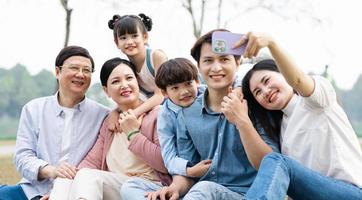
351,101
46,83
8,127
96,93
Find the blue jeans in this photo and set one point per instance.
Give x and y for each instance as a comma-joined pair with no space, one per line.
135,189
211,191
13,192
279,175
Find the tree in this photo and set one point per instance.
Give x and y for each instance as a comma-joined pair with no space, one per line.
46,82
96,93
197,26
68,18
197,10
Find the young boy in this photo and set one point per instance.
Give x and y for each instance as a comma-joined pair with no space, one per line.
178,81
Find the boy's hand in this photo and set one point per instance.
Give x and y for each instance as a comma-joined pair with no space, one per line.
112,121
199,169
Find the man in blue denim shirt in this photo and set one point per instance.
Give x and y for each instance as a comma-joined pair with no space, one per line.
211,128
56,132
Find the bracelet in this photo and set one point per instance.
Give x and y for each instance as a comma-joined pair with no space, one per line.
132,133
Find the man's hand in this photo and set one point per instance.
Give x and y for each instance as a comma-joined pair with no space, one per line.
63,170
235,110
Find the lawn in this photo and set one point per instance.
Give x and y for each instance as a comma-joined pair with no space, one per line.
8,174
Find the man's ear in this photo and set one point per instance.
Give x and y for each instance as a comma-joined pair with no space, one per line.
57,72
238,62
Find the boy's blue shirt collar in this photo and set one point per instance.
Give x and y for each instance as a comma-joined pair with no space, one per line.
172,106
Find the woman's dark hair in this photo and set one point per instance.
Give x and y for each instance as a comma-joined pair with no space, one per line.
129,24
269,120
109,66
175,71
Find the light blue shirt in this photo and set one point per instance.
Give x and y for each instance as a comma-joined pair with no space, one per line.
39,138
204,134
166,129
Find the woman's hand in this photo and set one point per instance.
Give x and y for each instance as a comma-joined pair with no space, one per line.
255,41
128,121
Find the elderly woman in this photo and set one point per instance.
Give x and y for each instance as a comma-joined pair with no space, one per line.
115,157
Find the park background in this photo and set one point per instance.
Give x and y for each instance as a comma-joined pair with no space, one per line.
321,35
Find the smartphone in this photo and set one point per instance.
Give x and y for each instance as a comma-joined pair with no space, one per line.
223,42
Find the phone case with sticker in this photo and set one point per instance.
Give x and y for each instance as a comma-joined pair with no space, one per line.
223,42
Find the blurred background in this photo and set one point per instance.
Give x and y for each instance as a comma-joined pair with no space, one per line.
321,35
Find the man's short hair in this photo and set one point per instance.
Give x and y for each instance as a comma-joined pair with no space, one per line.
70,51
207,38
175,71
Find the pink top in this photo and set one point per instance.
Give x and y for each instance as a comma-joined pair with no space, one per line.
145,145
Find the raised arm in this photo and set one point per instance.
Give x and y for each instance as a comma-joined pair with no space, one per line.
296,78
158,57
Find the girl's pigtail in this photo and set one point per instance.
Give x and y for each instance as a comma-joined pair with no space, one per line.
147,21
113,21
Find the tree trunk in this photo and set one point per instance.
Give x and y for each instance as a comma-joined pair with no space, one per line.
67,26
68,18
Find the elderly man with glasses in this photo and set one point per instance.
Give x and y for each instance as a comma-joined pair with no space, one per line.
56,132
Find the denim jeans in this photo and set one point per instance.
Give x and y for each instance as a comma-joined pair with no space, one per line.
12,192
211,191
135,189
279,175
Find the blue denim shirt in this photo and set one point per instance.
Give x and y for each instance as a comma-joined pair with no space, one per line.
39,138
204,134
166,129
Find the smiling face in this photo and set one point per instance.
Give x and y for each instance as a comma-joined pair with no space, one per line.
132,44
217,70
122,87
182,94
73,82
270,89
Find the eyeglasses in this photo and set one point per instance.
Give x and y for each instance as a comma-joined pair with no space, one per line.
77,69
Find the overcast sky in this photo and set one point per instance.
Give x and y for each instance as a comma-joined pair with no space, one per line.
32,31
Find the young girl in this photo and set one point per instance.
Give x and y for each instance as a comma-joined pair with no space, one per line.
322,158
131,37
